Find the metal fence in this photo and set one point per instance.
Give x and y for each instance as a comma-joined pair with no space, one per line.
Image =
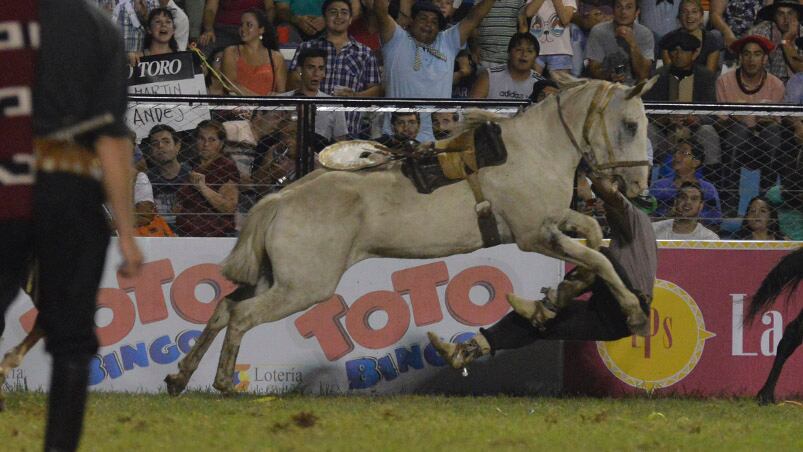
735,152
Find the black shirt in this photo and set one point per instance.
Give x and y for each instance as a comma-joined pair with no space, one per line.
81,70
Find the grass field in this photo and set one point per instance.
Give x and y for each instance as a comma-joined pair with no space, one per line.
200,422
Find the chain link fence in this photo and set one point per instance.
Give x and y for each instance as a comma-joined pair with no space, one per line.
201,186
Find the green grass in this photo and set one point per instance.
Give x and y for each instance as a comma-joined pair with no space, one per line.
200,422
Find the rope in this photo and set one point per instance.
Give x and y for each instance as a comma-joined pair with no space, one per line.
228,85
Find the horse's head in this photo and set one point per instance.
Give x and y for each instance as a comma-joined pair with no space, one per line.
614,128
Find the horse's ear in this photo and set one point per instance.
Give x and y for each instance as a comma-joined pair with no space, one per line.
641,88
566,81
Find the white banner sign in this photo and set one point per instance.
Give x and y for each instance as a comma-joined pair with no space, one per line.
370,337
170,74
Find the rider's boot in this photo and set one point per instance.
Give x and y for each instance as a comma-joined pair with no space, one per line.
460,355
538,312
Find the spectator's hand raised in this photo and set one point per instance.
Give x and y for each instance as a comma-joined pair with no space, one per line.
141,8
207,37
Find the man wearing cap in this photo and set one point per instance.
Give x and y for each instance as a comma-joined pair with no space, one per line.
750,138
682,80
419,63
621,50
780,24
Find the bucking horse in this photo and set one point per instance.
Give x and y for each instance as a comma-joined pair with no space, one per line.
296,244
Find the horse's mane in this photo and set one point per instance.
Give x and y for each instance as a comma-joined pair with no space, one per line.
474,117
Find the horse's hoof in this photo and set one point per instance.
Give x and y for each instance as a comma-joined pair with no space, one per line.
225,388
175,384
765,399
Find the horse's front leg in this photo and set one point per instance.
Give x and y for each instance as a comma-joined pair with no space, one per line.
573,284
578,281
550,238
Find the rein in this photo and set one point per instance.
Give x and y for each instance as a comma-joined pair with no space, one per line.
602,97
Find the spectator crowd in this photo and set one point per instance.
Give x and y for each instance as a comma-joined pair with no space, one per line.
728,176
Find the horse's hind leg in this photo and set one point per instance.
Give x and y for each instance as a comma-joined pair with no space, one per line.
13,358
270,306
176,383
792,338
563,247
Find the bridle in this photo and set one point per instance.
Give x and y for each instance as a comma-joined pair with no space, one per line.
596,113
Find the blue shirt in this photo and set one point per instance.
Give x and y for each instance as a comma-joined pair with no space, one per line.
665,191
432,79
661,18
794,90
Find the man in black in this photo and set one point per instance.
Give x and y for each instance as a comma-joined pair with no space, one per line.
167,174
559,316
80,84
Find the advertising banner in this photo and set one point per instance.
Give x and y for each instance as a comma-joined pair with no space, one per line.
170,74
369,338
699,345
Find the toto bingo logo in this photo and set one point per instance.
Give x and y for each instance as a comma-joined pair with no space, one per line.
671,351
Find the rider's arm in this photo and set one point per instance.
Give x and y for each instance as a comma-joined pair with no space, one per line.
607,191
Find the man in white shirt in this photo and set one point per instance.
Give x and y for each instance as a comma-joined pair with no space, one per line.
514,80
686,212
330,125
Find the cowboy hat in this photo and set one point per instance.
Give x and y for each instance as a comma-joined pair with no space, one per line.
768,12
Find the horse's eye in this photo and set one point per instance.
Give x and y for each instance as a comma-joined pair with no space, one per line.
631,127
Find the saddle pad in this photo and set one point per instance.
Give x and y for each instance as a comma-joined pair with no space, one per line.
354,155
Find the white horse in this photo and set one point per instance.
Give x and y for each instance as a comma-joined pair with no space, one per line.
296,244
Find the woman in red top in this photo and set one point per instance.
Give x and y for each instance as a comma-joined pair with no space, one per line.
206,207
221,22
256,67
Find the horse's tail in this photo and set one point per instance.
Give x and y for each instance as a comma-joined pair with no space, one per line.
786,274
244,263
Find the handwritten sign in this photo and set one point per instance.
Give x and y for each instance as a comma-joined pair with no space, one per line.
171,74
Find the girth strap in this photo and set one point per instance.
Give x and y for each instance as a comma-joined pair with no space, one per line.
486,220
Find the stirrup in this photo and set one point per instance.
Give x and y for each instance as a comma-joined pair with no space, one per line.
543,314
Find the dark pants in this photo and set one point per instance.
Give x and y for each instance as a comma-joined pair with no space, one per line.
70,247
68,238
15,249
598,319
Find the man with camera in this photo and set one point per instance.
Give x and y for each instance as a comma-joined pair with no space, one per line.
621,50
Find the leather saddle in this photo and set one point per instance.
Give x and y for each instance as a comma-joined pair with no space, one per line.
433,165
